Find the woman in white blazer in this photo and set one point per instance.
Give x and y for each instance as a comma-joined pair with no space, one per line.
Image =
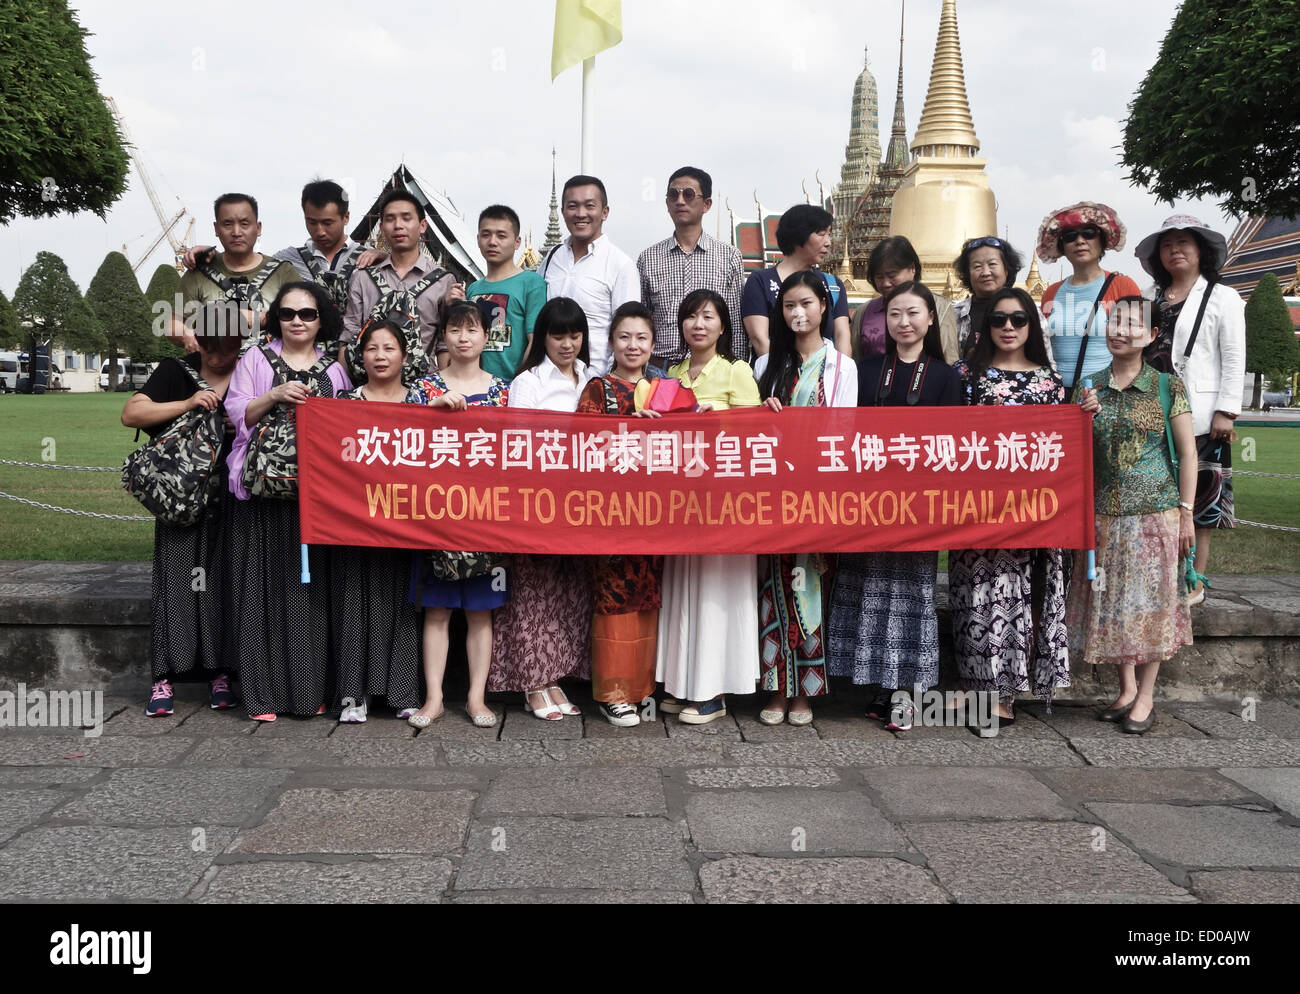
1202,338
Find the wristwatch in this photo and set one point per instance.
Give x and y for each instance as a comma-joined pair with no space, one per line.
1185,506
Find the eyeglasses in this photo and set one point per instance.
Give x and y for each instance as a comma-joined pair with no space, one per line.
999,319
688,195
1088,233
975,243
305,313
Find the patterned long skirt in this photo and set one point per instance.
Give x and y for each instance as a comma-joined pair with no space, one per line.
792,648
282,624
193,607
1142,615
543,632
883,629
996,596
374,628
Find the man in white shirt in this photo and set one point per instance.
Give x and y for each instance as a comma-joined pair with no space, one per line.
587,266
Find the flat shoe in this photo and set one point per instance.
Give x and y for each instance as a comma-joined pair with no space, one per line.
1138,727
483,720
263,717
423,720
799,717
670,705
1117,714
771,717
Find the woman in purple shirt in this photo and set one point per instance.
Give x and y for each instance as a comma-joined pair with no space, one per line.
281,623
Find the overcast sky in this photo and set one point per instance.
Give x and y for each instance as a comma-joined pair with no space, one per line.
261,96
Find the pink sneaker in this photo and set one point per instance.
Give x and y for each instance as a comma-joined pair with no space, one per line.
221,696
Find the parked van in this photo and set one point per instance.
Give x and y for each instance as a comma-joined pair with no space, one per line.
130,375
12,368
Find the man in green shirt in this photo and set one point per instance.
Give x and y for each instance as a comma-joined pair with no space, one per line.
238,274
515,295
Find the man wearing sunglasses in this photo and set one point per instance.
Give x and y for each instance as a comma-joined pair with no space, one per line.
238,275
689,260
588,267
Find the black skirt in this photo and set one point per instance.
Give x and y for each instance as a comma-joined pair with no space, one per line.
192,599
281,624
374,628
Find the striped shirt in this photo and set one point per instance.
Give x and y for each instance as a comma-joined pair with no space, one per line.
668,274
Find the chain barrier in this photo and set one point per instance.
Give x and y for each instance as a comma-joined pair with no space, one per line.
1274,476
69,510
56,465
1260,524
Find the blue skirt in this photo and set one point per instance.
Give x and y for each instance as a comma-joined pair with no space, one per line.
474,594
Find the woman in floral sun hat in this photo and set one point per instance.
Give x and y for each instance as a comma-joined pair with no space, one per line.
1081,233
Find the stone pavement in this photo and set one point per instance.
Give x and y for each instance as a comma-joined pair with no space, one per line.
210,807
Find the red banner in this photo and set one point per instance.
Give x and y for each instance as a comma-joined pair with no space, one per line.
739,482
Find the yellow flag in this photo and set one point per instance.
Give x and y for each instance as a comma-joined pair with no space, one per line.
583,28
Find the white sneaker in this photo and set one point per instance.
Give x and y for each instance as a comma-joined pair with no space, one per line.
354,715
620,713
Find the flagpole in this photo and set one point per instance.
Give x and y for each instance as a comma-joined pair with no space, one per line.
588,114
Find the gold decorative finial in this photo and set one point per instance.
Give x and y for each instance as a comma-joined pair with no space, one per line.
946,121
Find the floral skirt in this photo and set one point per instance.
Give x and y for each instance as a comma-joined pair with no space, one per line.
1142,615
543,632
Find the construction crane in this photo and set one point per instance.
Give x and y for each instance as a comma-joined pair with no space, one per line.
168,225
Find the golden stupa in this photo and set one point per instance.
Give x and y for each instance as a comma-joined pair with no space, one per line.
944,198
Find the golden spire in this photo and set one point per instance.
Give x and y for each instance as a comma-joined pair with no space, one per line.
1034,284
946,126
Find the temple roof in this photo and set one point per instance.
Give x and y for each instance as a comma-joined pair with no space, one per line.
946,118
447,237
1264,245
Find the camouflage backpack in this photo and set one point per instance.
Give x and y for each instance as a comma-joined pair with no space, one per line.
271,465
177,474
399,305
240,289
333,281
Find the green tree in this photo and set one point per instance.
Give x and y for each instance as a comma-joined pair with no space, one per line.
60,152
122,312
1271,348
10,332
1216,114
50,308
164,287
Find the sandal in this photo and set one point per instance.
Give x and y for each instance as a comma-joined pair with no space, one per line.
567,707
550,712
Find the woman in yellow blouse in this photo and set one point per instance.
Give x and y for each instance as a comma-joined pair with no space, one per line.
708,627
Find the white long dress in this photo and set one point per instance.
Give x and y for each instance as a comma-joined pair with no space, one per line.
708,625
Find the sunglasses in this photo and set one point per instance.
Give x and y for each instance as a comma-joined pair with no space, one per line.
1088,233
687,195
976,243
306,313
999,319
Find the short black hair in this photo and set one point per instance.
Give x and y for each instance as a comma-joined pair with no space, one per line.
697,174
499,212
405,196
896,252
1164,279
219,326
323,192
1147,309
462,310
331,322
629,310
695,300
388,324
1011,260
581,180
799,223
233,198
558,316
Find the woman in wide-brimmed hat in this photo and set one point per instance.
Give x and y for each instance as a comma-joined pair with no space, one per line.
1081,233
1202,338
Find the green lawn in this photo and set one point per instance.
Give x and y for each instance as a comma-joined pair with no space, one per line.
86,430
